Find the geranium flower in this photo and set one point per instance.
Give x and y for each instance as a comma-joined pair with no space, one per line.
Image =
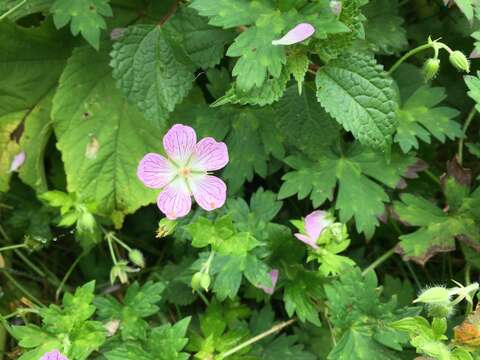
185,172
274,276
53,355
297,34
314,223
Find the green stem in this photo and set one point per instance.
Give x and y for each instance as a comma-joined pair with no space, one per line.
22,289
203,297
407,55
468,281
12,247
67,275
432,176
121,243
112,253
468,121
13,9
412,272
379,261
21,311
259,337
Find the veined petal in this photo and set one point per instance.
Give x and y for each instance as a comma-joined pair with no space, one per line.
179,143
315,223
53,355
209,191
175,200
155,171
307,240
209,155
297,34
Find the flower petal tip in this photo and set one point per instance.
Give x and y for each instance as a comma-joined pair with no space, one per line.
298,34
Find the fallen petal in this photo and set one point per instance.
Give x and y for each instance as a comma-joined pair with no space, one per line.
274,276
297,34
18,161
53,355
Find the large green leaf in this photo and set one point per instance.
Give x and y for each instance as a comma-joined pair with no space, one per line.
101,137
359,95
151,70
31,62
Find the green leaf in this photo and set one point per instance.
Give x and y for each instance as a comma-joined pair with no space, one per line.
258,58
358,94
383,28
361,319
139,303
154,83
466,6
473,83
25,9
229,13
251,142
304,123
438,229
101,141
26,96
419,118
163,343
355,172
204,44
85,17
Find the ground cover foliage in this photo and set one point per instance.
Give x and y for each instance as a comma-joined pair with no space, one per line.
242,179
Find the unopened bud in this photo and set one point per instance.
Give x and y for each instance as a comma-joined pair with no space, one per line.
200,280
430,68
336,7
459,61
436,295
165,227
136,257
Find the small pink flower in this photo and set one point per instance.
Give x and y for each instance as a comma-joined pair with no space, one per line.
274,276
185,172
315,223
297,34
53,355
18,161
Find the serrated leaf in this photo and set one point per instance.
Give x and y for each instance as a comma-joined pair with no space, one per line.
155,83
358,94
420,117
85,17
100,136
438,230
298,66
383,27
304,123
473,83
354,171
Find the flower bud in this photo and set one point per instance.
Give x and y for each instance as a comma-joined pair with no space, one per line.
336,7
430,68
200,280
440,310
136,257
459,61
436,295
120,271
165,227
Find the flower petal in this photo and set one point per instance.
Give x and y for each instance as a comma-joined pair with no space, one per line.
297,34
307,240
274,276
315,223
155,171
209,191
175,200
53,355
17,161
209,155
179,143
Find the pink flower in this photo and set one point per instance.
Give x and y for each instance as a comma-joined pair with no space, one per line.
315,223
185,172
53,355
274,276
18,161
297,34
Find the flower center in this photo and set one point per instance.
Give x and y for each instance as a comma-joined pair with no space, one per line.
184,171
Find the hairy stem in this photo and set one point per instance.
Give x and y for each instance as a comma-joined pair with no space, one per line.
22,289
67,275
259,337
12,247
13,9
